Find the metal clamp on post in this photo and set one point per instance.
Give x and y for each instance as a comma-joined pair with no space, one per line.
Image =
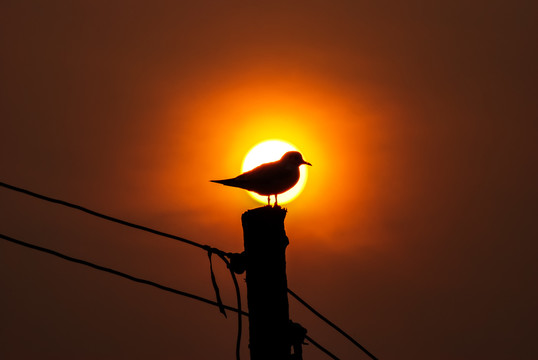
238,262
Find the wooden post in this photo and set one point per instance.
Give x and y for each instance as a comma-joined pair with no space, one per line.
265,249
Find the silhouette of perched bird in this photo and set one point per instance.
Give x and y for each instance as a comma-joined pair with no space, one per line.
271,178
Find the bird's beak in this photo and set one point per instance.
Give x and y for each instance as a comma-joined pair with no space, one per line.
307,163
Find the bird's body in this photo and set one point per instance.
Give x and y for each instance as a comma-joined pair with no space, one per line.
271,178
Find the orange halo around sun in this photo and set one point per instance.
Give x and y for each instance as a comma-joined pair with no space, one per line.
268,151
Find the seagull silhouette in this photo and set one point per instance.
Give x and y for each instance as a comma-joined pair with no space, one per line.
271,178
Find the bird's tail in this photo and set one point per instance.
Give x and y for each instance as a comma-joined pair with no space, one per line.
227,182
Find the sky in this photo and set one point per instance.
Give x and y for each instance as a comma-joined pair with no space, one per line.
416,230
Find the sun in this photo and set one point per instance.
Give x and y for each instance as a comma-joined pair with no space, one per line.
268,151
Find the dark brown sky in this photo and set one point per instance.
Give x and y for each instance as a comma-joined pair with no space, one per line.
416,231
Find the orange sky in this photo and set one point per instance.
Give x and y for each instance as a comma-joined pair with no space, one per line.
415,232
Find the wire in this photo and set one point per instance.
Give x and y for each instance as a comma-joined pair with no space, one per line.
238,297
355,342
114,272
148,282
113,219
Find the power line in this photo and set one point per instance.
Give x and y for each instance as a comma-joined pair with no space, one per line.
238,297
110,218
207,248
114,272
147,282
331,324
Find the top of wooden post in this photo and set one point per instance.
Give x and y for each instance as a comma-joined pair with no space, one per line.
264,224
265,213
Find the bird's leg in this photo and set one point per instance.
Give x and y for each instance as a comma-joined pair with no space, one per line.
268,200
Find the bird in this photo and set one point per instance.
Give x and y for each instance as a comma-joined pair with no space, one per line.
270,178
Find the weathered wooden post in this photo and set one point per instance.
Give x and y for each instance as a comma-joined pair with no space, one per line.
265,249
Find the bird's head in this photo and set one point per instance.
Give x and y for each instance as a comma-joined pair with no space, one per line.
294,158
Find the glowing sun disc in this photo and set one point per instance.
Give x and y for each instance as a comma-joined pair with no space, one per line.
268,151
